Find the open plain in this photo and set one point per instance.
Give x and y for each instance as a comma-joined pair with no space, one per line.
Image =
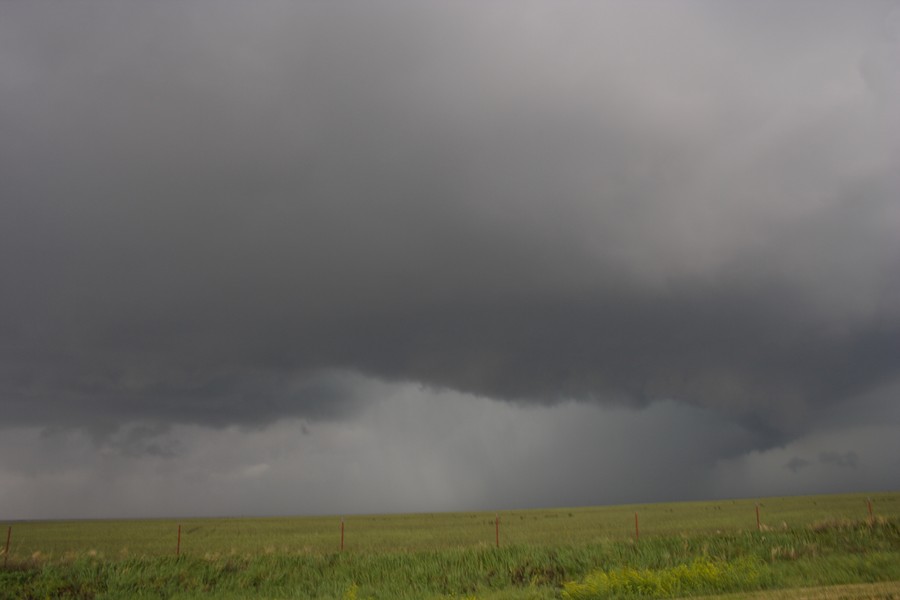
802,545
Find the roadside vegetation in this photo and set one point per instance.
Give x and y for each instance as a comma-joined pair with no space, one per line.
684,550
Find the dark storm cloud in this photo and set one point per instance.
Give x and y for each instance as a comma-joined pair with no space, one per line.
212,212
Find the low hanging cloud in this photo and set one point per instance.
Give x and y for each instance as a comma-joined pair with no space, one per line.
407,450
846,459
410,449
797,463
838,459
218,214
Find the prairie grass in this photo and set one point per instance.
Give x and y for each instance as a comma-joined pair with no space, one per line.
453,556
703,575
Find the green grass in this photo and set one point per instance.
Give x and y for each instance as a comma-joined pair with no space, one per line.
684,549
701,575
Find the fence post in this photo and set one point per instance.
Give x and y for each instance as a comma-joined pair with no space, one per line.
758,526
178,545
869,504
637,531
497,529
342,534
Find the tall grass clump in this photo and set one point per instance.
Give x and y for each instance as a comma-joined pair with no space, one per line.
701,575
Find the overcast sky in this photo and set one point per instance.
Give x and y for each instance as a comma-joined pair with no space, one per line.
351,257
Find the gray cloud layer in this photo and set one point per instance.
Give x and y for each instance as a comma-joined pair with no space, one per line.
212,212
411,450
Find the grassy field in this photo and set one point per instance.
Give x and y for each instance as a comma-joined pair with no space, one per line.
684,549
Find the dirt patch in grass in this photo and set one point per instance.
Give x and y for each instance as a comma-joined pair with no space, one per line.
860,591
